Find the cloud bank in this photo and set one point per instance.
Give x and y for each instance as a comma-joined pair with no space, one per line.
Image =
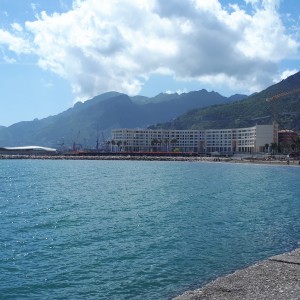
106,45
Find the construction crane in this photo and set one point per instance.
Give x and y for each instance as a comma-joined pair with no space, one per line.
273,101
76,145
61,143
278,96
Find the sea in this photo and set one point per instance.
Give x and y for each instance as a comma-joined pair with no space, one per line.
137,229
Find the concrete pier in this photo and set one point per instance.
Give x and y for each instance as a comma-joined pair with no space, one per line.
276,278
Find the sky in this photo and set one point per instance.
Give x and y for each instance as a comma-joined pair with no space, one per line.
54,53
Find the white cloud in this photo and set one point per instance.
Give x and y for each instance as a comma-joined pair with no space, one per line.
285,74
16,27
179,92
14,43
108,45
265,38
8,60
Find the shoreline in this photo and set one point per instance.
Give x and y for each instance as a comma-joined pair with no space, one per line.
274,278
291,162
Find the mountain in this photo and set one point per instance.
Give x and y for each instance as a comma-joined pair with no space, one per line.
85,122
157,99
171,108
259,108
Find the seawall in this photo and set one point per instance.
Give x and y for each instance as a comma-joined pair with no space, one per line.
150,158
276,278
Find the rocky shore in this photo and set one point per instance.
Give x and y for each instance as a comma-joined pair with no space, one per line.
276,278
153,158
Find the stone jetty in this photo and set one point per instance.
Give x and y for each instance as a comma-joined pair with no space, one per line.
276,278
149,158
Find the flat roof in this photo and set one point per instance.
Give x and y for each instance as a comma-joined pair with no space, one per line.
28,148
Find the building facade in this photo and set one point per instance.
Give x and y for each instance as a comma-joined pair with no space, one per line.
287,136
244,140
287,140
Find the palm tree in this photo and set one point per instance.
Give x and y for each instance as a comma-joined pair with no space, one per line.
266,147
167,142
159,142
297,143
173,142
107,145
113,143
119,143
124,144
274,148
154,142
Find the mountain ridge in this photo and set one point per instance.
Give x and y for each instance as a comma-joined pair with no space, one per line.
84,122
253,110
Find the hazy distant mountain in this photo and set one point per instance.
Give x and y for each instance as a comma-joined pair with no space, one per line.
169,109
256,109
85,122
162,97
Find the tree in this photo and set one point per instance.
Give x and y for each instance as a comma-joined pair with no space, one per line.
266,147
274,148
167,143
154,142
159,142
173,142
284,147
119,143
297,143
125,144
293,146
107,145
113,143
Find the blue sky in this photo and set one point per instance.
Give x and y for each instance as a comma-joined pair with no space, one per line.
54,53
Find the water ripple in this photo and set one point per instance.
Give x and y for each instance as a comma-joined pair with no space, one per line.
134,230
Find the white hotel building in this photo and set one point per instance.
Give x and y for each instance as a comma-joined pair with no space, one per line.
243,140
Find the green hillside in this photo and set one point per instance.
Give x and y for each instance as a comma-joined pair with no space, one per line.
256,109
93,120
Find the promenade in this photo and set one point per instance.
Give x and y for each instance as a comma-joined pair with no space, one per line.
276,278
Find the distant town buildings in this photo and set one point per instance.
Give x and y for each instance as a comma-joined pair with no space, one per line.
244,140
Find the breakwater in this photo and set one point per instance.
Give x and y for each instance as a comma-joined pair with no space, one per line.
152,158
275,278
107,157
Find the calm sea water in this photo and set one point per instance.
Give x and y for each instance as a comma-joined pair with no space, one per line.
138,230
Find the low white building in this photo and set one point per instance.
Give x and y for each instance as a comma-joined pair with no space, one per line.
245,140
27,150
